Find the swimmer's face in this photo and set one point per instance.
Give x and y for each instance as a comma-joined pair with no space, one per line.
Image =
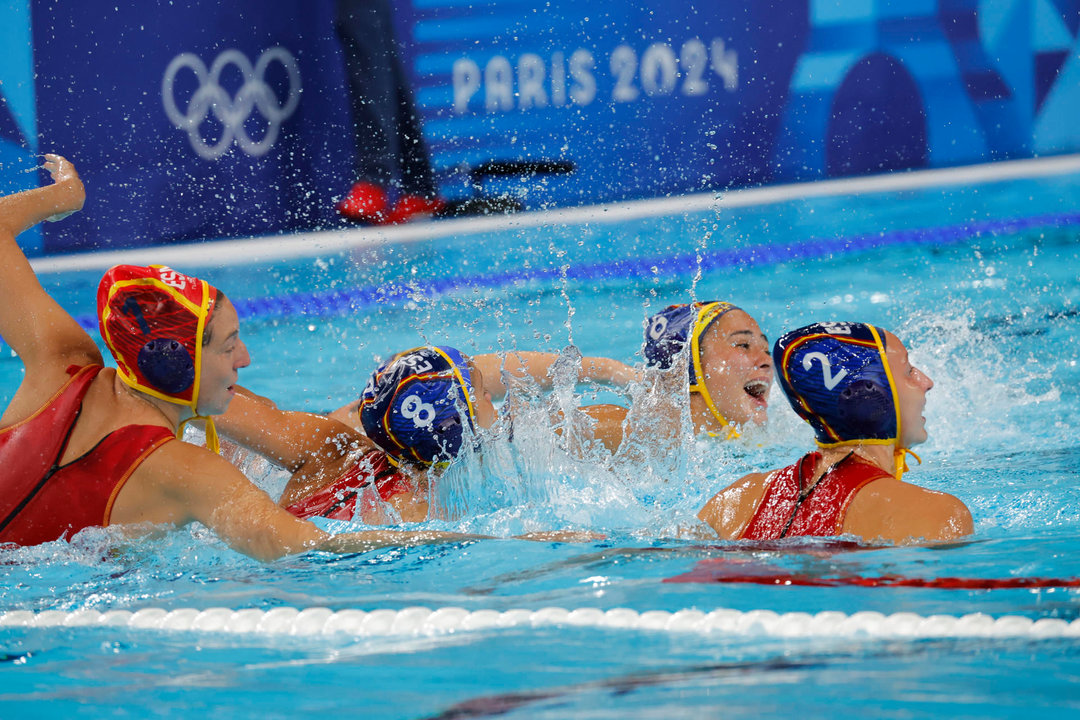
912,385
222,357
485,408
737,366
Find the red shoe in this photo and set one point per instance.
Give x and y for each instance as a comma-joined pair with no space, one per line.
413,207
366,202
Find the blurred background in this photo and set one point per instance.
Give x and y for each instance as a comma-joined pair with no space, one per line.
196,120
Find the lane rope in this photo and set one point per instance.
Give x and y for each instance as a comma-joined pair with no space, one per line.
422,621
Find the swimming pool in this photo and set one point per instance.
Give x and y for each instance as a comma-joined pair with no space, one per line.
980,279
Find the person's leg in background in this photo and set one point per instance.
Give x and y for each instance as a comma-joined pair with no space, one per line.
417,182
391,153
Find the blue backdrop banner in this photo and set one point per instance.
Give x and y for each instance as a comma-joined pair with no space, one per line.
648,98
191,120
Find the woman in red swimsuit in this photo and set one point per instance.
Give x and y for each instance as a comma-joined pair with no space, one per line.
854,384
82,445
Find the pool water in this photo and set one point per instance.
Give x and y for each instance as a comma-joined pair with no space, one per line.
983,284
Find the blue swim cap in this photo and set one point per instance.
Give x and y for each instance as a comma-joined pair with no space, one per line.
667,333
837,378
412,404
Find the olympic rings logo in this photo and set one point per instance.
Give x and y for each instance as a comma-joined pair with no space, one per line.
231,112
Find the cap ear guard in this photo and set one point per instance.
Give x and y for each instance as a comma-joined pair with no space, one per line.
864,403
167,365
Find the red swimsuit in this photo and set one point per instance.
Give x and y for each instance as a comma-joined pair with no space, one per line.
367,482
791,506
41,500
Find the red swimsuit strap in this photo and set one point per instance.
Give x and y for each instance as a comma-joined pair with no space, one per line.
790,506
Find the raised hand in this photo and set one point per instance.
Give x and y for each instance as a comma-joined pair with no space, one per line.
70,194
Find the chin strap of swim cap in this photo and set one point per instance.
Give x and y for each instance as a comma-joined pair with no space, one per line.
900,459
417,466
730,433
212,440
707,314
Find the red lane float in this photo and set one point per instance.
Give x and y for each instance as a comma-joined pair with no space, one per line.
720,570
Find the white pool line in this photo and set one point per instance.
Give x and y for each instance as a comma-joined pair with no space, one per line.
313,244
421,621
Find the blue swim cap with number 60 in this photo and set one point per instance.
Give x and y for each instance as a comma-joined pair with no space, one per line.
416,404
837,378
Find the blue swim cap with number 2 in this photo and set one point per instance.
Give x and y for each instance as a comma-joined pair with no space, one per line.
416,404
837,378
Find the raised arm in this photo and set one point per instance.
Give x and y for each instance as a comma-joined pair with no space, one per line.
32,323
537,364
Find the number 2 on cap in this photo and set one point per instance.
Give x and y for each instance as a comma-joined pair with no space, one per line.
826,369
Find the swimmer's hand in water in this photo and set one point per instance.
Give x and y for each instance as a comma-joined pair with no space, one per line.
70,193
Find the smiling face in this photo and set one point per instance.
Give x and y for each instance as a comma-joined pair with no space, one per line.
737,370
911,384
222,356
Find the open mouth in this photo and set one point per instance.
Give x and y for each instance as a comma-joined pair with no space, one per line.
757,389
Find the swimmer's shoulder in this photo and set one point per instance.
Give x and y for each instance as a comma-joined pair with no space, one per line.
899,511
731,509
107,407
608,424
42,381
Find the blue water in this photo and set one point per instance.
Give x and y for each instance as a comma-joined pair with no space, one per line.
981,282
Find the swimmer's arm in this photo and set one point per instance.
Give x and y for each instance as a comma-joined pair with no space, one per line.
350,415
411,507
181,483
608,427
730,510
537,365
32,323
240,390
607,371
289,439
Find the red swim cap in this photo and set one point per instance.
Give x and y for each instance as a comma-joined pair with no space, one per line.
152,320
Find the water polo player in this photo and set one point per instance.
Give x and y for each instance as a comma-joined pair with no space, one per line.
729,368
854,384
418,407
82,445
421,406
